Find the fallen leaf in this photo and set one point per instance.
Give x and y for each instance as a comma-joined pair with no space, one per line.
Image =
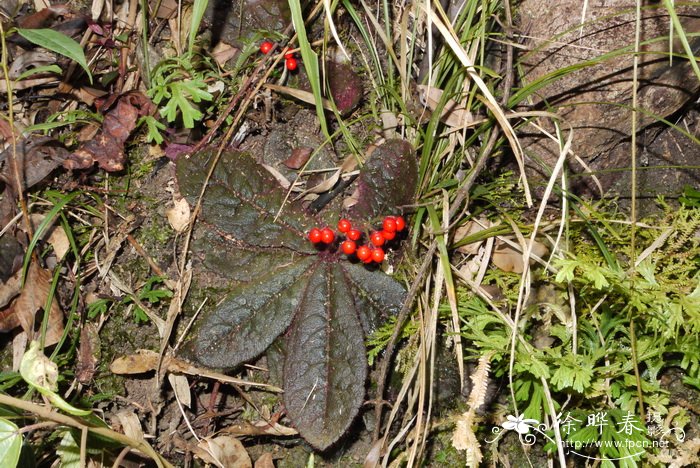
11,255
264,461
299,157
224,451
9,290
223,52
467,229
509,258
130,424
33,298
259,428
88,353
304,96
42,17
166,9
54,235
36,157
181,387
30,59
107,148
179,214
453,114
145,360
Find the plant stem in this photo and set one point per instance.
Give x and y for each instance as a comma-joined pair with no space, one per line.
45,412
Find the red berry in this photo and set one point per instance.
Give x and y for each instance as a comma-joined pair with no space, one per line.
289,55
348,247
388,235
378,255
400,223
327,235
364,253
354,234
344,225
266,47
389,224
291,64
377,238
315,235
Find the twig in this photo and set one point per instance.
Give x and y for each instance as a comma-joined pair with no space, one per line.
45,412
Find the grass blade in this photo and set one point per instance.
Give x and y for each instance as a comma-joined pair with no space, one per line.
59,43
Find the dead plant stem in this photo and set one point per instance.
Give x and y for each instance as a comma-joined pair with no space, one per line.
47,413
17,172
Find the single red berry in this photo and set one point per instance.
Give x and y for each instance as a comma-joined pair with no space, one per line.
344,225
389,224
291,64
348,247
289,55
364,253
388,235
400,223
354,234
266,47
315,235
327,235
377,238
378,255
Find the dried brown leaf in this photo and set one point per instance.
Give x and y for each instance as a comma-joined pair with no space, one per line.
454,114
54,235
130,424
145,360
299,157
509,258
107,148
224,451
88,353
223,52
33,298
181,387
36,158
179,214
8,291
467,229
42,17
259,428
265,461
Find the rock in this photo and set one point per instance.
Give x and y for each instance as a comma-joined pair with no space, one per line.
595,100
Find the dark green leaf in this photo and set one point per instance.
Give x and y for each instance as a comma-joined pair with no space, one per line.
252,316
376,295
387,180
324,375
242,201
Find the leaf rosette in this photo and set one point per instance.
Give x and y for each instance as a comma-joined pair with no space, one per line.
281,285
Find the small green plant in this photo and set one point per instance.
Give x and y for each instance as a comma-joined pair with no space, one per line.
178,87
589,362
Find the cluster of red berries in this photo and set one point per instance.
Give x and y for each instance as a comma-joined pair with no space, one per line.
365,253
289,61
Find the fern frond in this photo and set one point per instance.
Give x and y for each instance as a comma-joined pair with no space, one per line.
464,437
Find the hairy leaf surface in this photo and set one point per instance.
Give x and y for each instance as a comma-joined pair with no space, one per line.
326,366
387,180
281,284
